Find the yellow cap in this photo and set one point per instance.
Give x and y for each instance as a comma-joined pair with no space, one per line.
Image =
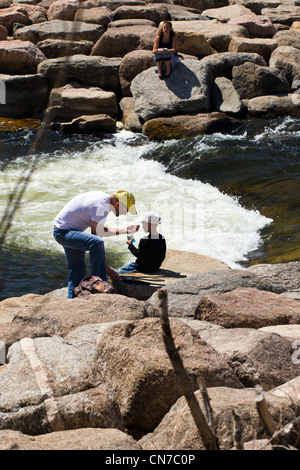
127,199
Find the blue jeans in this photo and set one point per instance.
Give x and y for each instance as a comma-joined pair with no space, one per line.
129,268
75,244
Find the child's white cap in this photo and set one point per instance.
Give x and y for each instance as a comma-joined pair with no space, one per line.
152,218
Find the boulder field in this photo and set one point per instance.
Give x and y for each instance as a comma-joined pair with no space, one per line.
87,65
92,373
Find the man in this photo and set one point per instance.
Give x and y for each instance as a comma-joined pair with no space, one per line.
90,210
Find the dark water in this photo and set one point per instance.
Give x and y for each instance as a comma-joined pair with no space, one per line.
259,164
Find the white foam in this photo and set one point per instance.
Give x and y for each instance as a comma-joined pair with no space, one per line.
196,217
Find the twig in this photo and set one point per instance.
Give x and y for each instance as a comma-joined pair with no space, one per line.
265,415
206,434
237,430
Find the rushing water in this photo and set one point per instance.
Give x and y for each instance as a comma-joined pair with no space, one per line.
231,197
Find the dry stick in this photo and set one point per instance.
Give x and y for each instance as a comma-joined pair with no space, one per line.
265,415
204,430
237,430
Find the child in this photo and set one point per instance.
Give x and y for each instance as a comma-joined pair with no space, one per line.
151,250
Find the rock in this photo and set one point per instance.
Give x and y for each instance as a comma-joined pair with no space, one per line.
257,5
12,305
153,12
89,124
287,60
181,13
261,46
288,38
290,332
130,22
19,57
60,316
184,295
131,65
53,48
93,71
257,26
13,14
225,14
285,14
225,97
247,308
295,26
221,65
257,357
36,13
281,274
58,29
186,126
26,95
130,119
74,439
74,100
202,4
293,294
116,42
177,430
49,385
287,105
63,10
96,15
251,80
147,387
3,33
9,333
201,38
185,91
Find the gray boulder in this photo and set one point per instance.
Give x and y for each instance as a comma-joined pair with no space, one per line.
251,80
187,90
49,385
26,95
225,97
280,274
59,29
184,295
53,48
257,357
153,12
19,57
221,65
271,105
287,60
94,71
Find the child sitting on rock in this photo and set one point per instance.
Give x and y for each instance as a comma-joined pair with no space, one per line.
151,250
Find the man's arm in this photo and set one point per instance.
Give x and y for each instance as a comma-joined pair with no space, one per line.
101,231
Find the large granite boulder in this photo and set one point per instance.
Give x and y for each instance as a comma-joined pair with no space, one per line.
285,13
201,38
49,385
257,357
13,14
131,65
184,295
247,308
19,57
147,386
59,29
26,95
96,15
225,97
53,48
187,90
251,80
177,430
261,46
282,274
288,38
271,105
95,439
221,65
153,11
116,42
94,71
257,26
287,60
224,14
186,126
74,100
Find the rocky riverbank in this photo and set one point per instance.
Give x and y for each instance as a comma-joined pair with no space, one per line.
87,65
92,373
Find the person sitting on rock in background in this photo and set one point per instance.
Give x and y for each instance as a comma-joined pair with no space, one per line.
151,250
90,210
165,48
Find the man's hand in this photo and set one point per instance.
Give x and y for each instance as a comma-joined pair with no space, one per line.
114,276
132,228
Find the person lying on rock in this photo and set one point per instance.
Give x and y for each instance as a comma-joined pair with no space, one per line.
165,48
151,250
90,210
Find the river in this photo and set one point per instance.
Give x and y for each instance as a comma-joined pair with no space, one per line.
232,197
